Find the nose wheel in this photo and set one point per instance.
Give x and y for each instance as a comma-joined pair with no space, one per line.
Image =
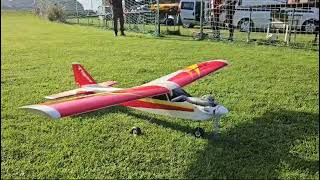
135,131
198,132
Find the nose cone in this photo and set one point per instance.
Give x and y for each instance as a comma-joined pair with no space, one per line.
221,110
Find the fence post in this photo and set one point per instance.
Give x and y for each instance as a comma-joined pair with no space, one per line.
92,10
248,35
290,27
201,20
158,17
77,11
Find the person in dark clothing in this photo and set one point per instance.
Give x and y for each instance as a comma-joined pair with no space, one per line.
117,14
229,6
316,33
216,11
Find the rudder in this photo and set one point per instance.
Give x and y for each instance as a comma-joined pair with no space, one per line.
81,76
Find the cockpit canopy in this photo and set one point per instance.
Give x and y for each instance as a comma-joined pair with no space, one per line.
175,93
180,95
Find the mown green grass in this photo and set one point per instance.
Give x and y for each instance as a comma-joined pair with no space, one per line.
272,94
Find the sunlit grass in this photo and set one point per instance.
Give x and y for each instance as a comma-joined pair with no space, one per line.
272,94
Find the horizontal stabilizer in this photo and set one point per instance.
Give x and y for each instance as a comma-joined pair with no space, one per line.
74,92
108,83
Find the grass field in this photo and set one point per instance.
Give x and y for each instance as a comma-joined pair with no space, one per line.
272,94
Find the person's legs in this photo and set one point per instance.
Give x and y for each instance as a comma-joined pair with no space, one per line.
231,29
229,19
122,24
317,33
212,22
115,23
216,30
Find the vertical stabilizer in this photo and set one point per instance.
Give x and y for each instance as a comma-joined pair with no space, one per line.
81,76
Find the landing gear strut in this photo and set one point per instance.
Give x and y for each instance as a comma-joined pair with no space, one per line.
216,127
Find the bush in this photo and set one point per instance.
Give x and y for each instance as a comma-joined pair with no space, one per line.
56,13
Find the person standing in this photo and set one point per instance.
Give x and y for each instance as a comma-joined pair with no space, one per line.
229,6
216,11
117,10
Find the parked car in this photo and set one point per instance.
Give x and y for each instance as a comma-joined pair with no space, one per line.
303,19
190,12
256,15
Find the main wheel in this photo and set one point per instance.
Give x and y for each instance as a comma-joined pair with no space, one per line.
170,22
245,25
187,25
199,132
136,131
310,26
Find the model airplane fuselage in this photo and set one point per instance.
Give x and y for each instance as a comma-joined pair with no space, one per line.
163,104
163,96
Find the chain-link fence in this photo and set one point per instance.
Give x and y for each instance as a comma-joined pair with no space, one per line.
263,21
139,15
279,22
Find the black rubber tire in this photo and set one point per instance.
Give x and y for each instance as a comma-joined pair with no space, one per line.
188,25
241,22
198,132
311,21
136,131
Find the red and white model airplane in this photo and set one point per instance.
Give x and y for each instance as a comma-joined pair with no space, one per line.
163,96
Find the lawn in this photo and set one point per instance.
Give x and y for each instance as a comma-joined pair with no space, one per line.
272,94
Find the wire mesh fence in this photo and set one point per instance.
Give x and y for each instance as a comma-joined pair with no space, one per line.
278,22
264,22
138,16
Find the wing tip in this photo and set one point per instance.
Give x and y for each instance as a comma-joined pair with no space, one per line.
44,110
49,97
222,60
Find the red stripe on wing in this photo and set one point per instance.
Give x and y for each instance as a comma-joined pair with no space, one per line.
197,71
153,105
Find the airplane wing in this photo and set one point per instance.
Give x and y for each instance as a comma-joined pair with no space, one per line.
189,74
83,91
82,104
86,103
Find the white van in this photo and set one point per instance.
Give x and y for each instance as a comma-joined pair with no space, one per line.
304,19
190,12
261,14
260,17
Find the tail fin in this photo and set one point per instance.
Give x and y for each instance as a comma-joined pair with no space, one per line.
81,76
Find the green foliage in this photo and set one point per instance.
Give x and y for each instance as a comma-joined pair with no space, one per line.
56,13
50,10
272,130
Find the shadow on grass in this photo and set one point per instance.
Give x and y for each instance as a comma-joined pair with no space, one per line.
133,113
260,148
